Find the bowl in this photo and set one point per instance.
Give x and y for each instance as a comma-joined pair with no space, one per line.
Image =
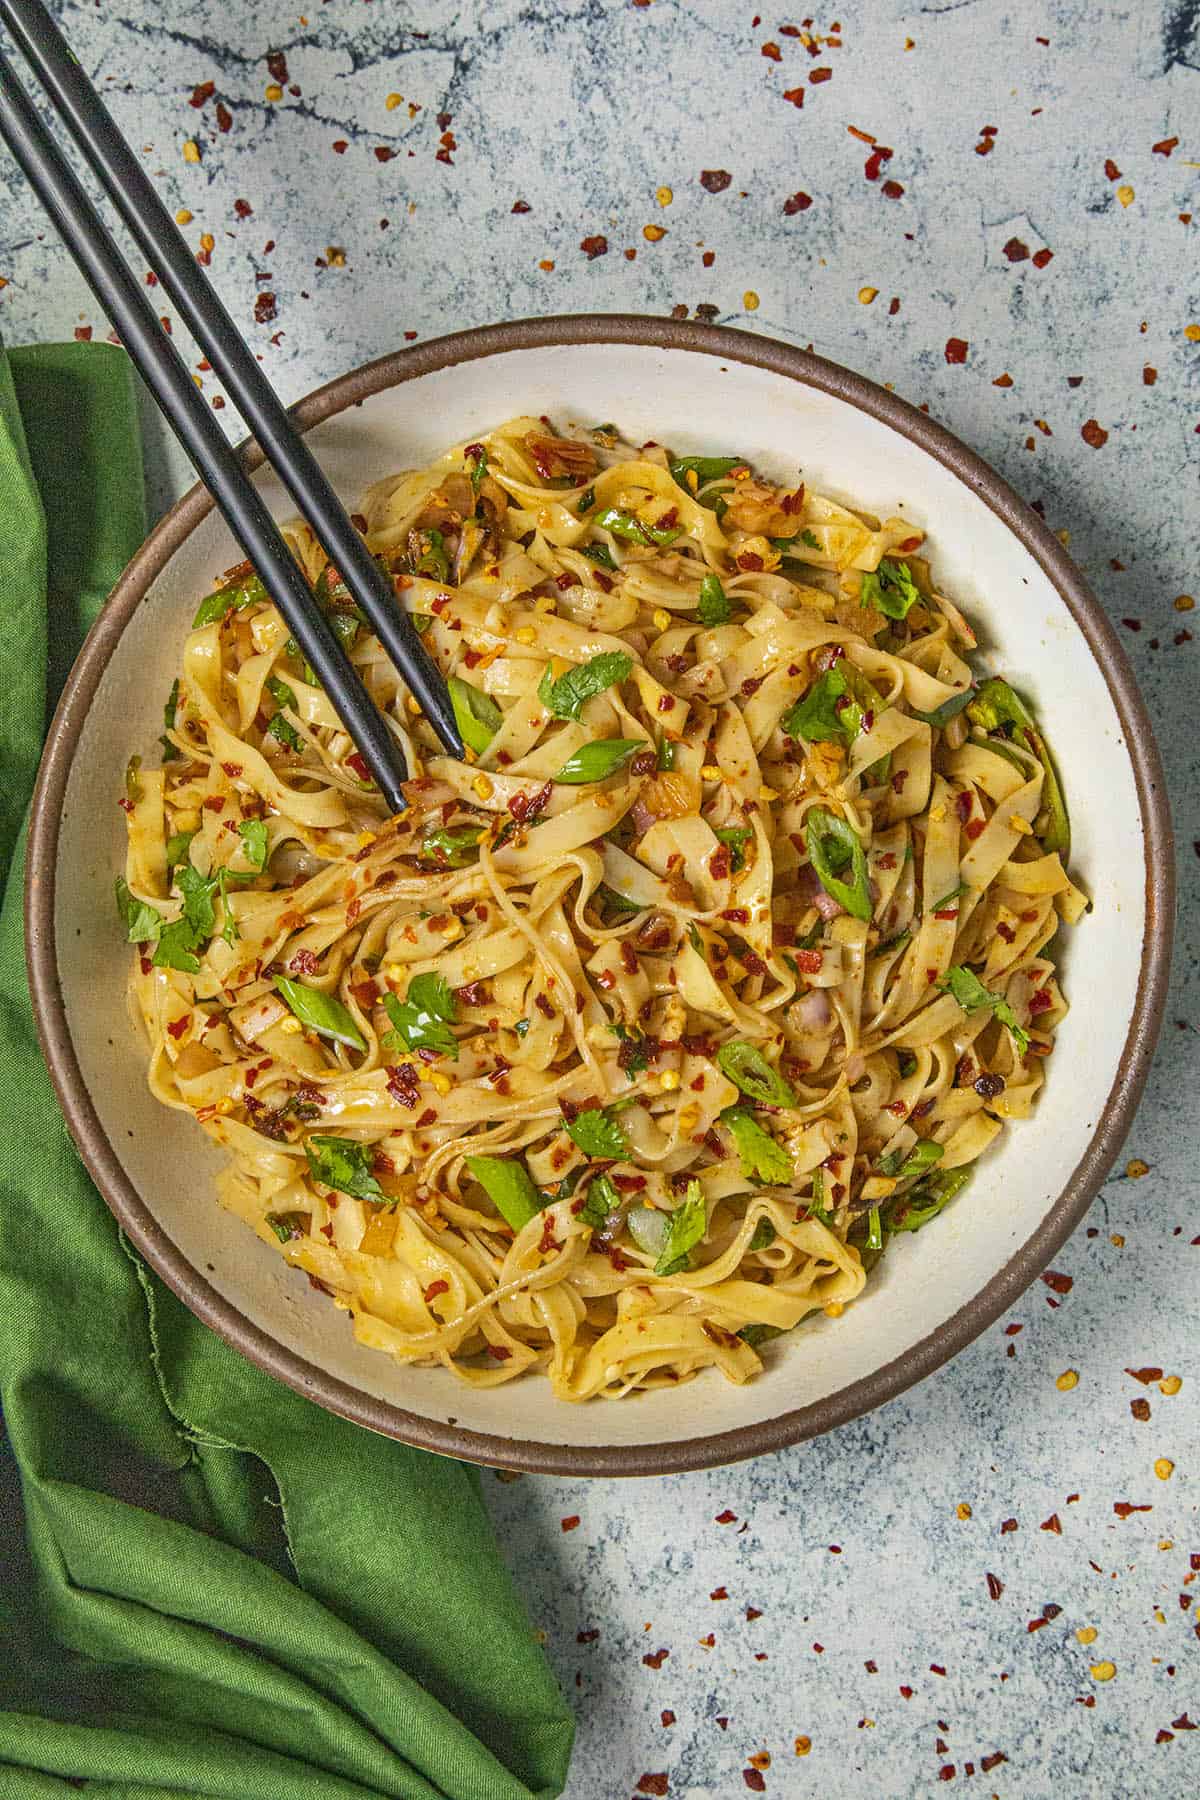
697,388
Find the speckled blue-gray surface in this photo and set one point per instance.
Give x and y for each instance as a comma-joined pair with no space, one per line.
995,208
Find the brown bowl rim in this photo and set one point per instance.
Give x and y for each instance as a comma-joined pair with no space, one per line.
953,1334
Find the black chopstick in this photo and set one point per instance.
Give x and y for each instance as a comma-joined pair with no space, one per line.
108,155
165,373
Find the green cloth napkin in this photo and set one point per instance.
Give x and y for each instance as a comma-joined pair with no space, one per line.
218,1588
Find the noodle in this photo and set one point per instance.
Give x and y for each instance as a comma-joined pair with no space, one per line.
719,960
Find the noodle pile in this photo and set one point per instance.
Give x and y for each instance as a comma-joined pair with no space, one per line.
718,961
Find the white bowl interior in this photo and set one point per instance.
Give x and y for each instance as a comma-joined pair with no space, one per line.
694,402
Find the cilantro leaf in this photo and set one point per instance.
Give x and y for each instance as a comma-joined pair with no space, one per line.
602,1201
422,1020
890,589
566,697
714,607
971,994
253,833
343,1164
598,1134
143,923
762,1158
828,713
176,948
197,891
688,1225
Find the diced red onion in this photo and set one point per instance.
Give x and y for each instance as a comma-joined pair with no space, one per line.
814,1012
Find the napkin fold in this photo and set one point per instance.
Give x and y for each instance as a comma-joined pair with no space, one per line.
215,1588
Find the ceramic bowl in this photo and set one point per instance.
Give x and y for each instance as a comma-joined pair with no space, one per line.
696,388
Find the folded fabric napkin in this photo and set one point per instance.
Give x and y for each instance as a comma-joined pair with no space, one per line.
217,1589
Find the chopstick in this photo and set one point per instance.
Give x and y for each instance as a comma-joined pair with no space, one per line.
109,157
218,465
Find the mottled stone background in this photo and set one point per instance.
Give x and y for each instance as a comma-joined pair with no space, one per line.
905,1598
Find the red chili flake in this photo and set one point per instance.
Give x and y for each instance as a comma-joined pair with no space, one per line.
586,1637
204,91
892,190
1040,1001
946,1772
1042,257
995,1586
771,51
1062,1284
265,309
1053,1523
1123,1508
572,1520
819,75
434,1289
873,167
384,153
1145,1376
527,805
936,1669
1016,251
428,1117
1007,1525
795,95
797,203
655,1659
653,1784
1111,169
1183,1723
1164,147
754,1780
976,828
719,1594
988,1763
593,247
749,562
727,1517
956,350
1093,433
1140,1410
1164,1737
